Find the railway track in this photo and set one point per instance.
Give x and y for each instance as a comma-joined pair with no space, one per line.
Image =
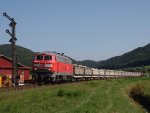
32,86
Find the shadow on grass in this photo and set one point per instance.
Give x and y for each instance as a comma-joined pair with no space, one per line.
143,100
137,93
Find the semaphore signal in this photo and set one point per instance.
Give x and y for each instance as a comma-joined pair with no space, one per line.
13,40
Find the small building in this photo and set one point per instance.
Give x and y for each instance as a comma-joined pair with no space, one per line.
6,69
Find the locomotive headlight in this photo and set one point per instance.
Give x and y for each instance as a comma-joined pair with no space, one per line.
48,65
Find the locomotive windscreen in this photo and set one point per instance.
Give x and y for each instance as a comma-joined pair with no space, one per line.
39,57
45,57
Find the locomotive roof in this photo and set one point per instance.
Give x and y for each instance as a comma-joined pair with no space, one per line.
53,53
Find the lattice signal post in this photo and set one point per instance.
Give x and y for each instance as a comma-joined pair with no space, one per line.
13,40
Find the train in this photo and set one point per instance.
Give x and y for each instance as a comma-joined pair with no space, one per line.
55,67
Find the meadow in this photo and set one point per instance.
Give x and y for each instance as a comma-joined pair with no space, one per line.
98,96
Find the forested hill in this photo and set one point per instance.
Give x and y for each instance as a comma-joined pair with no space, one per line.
134,58
89,63
25,56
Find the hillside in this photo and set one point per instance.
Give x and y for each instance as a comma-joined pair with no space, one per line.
89,63
134,58
25,56
137,57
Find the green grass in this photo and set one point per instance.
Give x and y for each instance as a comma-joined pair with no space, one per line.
100,96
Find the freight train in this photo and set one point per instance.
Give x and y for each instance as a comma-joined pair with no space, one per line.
55,67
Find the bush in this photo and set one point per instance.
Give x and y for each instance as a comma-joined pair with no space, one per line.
137,91
60,93
92,84
72,93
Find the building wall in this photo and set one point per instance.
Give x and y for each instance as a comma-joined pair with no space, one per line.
5,63
7,72
25,72
6,69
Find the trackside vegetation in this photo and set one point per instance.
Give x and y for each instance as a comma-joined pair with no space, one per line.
99,96
140,94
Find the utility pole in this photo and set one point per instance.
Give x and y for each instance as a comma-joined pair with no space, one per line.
13,40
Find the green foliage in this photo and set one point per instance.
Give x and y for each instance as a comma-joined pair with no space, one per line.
92,84
88,63
137,91
62,93
144,69
73,93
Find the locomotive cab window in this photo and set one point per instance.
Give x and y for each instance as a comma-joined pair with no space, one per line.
39,57
47,57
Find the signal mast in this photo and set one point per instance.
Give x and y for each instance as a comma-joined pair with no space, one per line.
13,40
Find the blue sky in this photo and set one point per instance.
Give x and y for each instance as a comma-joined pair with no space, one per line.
82,29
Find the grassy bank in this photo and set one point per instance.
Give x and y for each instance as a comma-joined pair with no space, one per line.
100,96
140,93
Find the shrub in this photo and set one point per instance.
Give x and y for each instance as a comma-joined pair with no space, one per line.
72,93
92,84
137,91
60,93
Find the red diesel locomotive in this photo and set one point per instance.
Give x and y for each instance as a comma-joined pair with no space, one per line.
50,66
